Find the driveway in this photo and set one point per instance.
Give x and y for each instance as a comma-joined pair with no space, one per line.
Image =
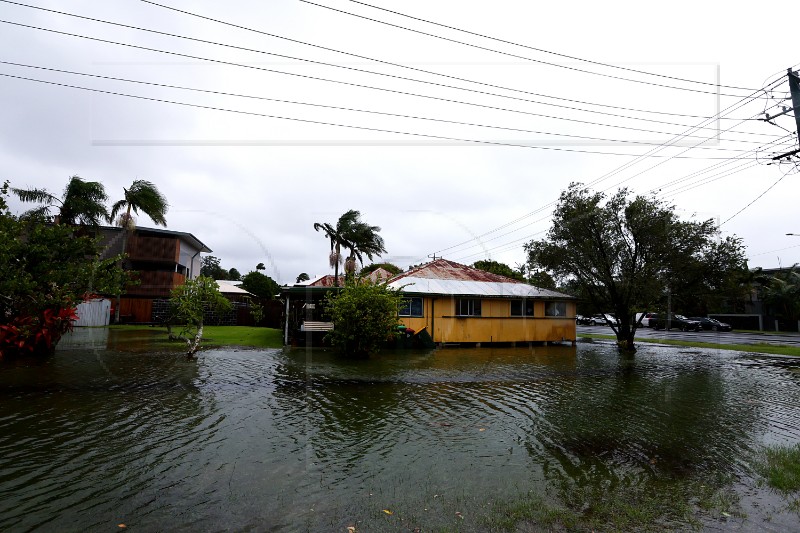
733,337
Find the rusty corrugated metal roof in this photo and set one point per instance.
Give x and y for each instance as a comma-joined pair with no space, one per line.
444,269
450,278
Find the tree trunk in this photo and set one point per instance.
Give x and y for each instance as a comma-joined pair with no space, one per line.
124,251
194,344
625,339
119,265
336,266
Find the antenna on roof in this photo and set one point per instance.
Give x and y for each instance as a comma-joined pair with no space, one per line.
433,256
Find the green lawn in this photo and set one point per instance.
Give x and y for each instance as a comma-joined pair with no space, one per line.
226,335
774,349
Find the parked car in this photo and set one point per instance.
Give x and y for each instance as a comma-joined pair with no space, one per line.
712,323
675,321
645,318
603,319
582,320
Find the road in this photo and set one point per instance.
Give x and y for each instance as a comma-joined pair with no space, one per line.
784,339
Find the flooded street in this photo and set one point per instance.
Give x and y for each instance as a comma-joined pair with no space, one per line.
114,430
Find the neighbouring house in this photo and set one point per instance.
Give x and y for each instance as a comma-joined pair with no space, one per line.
752,312
163,260
461,304
455,303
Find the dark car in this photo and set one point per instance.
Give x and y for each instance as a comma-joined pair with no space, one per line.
675,321
712,324
582,320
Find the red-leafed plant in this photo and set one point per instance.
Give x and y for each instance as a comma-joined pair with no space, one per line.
39,334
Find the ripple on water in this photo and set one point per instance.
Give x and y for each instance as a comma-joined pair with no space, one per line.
254,439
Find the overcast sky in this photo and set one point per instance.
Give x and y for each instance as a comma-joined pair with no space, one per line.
454,143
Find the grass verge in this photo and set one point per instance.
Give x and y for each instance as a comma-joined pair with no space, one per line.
780,467
215,336
773,349
669,506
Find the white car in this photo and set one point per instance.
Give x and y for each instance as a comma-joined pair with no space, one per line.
603,320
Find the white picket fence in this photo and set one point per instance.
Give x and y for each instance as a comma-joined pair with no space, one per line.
93,313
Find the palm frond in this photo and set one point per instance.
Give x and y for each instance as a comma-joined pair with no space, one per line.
35,195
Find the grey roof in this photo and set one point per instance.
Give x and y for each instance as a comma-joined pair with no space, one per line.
231,287
457,287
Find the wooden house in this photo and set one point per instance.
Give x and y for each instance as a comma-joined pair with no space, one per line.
455,303
163,259
460,304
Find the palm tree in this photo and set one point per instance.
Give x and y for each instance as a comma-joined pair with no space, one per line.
83,202
140,196
354,235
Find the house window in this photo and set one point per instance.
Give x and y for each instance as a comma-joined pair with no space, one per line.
522,307
410,307
555,309
468,307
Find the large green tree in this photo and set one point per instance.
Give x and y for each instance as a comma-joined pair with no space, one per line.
631,254
211,267
260,284
82,202
46,269
354,235
141,196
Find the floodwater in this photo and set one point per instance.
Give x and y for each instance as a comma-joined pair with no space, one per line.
113,430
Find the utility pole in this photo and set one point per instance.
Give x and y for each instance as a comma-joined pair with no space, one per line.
794,89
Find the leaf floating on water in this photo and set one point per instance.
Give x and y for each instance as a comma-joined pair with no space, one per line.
387,511
351,529
482,429
458,514
726,515
123,526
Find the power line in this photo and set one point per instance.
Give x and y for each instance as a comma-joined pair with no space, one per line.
349,109
729,109
754,200
516,56
324,123
328,80
399,65
549,51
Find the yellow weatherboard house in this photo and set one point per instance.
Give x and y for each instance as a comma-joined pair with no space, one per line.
461,304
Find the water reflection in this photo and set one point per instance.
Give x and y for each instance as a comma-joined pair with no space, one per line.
303,440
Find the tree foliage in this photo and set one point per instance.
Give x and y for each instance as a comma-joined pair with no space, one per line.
781,292
142,196
210,267
302,277
364,316
45,271
633,254
501,269
389,267
190,302
83,202
354,235
260,284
